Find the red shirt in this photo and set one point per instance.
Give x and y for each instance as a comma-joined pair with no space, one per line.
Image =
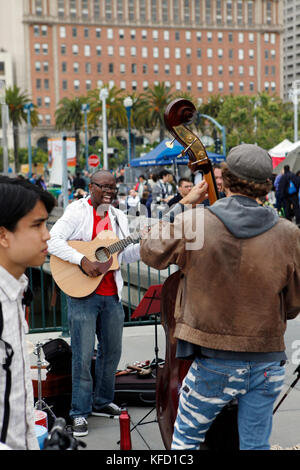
107,286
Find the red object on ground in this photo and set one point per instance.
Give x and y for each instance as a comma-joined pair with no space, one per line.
125,438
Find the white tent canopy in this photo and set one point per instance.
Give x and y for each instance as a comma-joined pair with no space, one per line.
283,148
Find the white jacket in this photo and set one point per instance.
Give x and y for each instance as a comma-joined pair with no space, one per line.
77,224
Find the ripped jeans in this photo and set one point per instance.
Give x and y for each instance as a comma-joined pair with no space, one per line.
211,384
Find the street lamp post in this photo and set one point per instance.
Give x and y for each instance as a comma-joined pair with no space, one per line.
4,117
294,92
85,108
128,106
28,107
103,97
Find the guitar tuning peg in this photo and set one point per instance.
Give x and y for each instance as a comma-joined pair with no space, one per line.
170,143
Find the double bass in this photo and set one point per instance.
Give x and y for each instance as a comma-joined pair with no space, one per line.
178,115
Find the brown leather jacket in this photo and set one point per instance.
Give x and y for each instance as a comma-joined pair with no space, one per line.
235,294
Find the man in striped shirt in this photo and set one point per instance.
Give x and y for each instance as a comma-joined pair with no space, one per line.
24,210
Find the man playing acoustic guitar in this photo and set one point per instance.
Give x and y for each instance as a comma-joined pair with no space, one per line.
100,313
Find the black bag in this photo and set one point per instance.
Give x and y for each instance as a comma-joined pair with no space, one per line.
59,355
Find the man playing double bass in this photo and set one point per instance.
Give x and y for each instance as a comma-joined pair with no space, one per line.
232,304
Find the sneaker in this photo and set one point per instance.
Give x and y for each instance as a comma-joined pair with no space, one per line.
79,426
108,411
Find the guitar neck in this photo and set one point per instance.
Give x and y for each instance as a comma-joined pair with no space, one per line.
122,244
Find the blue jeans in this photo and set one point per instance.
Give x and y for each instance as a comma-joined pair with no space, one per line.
211,384
89,316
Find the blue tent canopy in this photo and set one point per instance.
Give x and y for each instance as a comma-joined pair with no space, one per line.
162,155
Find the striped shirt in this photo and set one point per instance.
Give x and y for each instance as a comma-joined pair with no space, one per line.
21,430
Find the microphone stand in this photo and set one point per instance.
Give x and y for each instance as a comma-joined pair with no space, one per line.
41,404
297,370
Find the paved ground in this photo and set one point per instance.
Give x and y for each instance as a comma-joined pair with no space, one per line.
138,345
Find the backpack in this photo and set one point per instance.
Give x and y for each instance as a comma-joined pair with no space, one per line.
6,366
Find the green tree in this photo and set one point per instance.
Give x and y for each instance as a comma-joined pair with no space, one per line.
156,99
16,100
115,111
69,117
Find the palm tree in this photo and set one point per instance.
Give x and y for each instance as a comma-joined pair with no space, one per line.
69,117
156,99
16,100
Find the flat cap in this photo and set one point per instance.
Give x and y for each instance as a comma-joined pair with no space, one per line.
250,162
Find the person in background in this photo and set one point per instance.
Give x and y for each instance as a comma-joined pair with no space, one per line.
184,187
288,195
24,210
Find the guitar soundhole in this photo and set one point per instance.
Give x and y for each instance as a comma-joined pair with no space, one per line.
102,254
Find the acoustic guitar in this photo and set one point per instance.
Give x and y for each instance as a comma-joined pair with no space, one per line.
71,278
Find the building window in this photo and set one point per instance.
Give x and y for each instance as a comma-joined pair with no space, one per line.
75,49
98,32
37,48
98,50
133,51
45,49
88,67
46,84
36,30
76,67
99,67
210,87
120,11
177,53
87,50
97,9
74,32
76,85
47,101
88,84
199,69
62,32
145,69
122,51
110,50
155,52
144,52
166,52
65,84
37,66
133,68
111,68
64,66
63,49
44,29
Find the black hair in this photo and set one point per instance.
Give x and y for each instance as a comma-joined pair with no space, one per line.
17,198
182,180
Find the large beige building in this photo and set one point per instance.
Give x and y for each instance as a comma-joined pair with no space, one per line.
67,47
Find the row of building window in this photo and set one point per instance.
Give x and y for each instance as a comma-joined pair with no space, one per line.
180,12
133,68
210,85
156,51
268,37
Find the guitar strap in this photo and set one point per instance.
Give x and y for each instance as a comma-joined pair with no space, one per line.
117,222
6,366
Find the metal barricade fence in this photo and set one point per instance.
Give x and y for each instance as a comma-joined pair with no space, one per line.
48,310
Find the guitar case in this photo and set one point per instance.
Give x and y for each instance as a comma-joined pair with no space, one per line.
133,389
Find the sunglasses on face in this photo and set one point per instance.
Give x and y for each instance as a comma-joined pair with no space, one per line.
105,187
